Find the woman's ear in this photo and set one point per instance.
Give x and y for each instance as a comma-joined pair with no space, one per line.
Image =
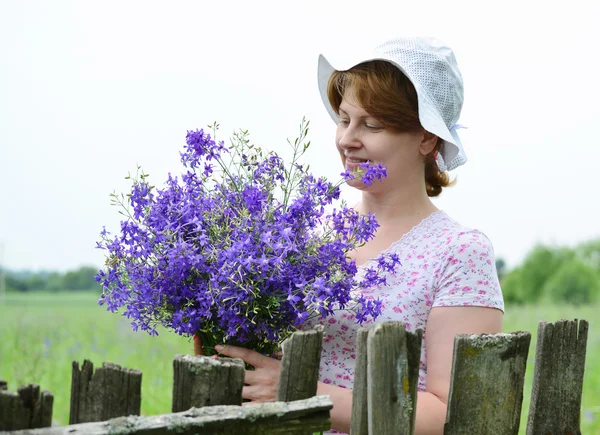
428,142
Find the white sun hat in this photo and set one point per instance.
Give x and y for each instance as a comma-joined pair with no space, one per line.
431,67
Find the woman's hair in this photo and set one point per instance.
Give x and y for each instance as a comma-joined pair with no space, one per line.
386,94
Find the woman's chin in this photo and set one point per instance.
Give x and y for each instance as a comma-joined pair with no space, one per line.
356,183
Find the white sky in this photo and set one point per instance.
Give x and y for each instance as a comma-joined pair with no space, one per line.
88,89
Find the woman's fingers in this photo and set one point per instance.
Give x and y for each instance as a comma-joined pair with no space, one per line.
257,394
261,383
248,356
251,377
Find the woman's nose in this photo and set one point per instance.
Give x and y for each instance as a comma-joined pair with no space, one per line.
348,137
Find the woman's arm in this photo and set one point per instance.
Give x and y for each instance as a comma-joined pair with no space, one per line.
431,411
443,324
342,405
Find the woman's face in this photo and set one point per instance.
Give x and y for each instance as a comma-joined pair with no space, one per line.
361,137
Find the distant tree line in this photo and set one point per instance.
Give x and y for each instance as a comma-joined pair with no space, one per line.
74,280
554,274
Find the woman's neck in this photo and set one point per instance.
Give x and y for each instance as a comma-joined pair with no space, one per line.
392,207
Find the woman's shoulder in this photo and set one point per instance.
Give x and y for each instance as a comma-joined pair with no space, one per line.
438,239
456,236
442,239
467,274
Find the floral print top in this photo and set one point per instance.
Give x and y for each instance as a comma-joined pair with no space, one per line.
442,264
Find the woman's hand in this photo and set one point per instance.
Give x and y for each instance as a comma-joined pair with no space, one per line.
260,384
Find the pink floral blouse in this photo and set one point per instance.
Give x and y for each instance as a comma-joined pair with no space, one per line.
443,264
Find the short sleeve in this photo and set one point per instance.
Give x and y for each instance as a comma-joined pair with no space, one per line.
469,276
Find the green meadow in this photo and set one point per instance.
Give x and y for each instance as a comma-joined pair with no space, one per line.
41,334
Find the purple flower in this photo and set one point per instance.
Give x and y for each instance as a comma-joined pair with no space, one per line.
368,173
239,248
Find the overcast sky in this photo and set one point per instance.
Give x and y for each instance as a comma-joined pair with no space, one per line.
89,89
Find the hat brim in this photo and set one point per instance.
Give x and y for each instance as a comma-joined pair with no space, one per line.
429,117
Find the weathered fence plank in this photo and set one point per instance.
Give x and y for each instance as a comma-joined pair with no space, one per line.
275,418
25,409
359,425
200,381
486,390
110,392
558,378
299,373
392,394
13,414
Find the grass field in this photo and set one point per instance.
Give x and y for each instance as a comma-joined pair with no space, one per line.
41,334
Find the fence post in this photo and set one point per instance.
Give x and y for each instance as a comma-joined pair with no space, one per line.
486,387
392,378
110,392
25,409
359,424
558,378
204,381
299,373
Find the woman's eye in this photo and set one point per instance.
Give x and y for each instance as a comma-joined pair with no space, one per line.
346,122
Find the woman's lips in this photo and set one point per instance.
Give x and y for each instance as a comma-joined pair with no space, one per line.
353,163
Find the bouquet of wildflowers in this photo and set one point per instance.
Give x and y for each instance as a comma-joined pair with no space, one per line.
241,249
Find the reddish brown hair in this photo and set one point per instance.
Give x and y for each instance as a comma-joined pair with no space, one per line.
387,95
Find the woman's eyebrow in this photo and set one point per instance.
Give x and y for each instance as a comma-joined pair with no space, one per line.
360,115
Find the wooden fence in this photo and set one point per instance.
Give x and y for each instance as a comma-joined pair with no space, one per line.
486,390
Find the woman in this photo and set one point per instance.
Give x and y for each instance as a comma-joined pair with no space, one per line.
399,106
